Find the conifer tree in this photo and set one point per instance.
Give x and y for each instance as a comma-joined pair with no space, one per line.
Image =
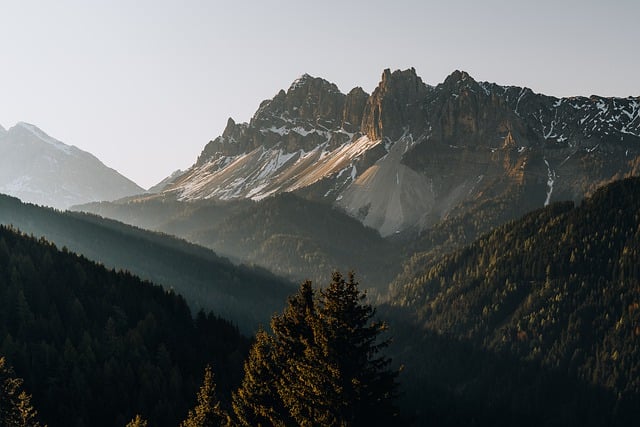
257,403
207,412
322,366
353,384
137,421
293,336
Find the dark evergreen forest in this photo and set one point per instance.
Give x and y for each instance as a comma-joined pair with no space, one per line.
95,346
247,295
538,320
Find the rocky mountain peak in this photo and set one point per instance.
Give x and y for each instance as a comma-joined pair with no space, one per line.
309,113
354,106
395,105
26,132
461,83
311,99
229,128
458,76
3,131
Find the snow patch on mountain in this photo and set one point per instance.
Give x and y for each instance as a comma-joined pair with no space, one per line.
551,179
263,172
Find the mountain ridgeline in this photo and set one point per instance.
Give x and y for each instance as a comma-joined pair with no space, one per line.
548,306
411,154
293,237
430,167
247,295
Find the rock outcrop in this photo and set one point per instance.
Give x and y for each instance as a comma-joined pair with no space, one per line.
396,106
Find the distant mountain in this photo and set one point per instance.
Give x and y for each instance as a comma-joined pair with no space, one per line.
247,296
553,296
40,169
410,155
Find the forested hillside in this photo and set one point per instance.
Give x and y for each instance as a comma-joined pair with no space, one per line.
291,236
248,296
539,317
95,346
301,239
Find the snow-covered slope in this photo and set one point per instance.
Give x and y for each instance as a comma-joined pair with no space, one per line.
266,171
40,169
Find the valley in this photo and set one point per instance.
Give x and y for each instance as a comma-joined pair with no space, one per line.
493,230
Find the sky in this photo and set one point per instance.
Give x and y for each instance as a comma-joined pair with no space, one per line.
144,85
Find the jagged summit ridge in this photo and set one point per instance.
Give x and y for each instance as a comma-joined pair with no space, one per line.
410,155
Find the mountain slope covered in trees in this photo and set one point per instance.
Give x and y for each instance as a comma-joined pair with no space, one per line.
95,347
293,237
248,296
548,303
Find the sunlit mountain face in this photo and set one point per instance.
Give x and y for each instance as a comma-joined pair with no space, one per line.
409,155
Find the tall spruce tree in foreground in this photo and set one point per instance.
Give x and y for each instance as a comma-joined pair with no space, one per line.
354,382
257,402
324,363
293,337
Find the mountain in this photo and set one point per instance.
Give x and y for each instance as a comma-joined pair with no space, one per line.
430,168
247,296
411,155
165,182
95,346
539,317
301,239
293,237
40,169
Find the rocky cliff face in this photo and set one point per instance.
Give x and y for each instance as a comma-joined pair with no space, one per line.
303,117
410,155
396,106
354,106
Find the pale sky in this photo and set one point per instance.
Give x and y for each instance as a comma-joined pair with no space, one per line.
144,85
